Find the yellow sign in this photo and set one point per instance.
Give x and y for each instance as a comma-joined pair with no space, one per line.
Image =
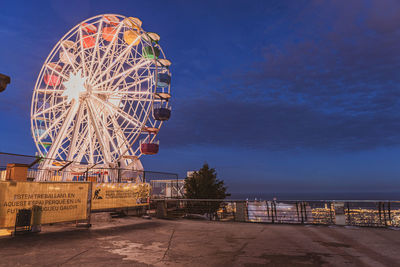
121,195
50,202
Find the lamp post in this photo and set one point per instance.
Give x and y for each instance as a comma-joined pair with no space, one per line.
4,81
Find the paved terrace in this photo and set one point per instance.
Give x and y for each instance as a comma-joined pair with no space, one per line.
138,242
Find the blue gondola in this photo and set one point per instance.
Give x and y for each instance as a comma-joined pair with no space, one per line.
163,80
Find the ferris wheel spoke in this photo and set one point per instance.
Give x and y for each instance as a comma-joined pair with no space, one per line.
106,132
90,143
57,72
106,152
83,64
140,64
83,145
75,132
69,59
40,113
96,52
122,141
54,123
121,76
130,142
127,96
121,113
49,91
121,59
86,142
122,93
112,44
62,151
62,133
125,87
110,59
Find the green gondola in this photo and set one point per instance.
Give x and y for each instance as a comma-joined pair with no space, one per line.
148,52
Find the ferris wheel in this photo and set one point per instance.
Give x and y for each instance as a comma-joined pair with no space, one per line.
101,95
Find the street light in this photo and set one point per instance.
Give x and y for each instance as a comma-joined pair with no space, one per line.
4,80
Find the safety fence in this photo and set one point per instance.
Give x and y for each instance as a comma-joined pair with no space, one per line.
52,202
70,171
165,185
344,212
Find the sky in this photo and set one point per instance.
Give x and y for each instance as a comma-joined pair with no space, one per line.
277,96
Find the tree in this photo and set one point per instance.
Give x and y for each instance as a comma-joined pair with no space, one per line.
203,184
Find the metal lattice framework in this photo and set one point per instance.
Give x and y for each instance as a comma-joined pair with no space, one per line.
94,97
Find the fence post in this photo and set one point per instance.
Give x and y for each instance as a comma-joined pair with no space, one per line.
301,212
305,211
340,218
384,213
331,212
273,211
119,172
380,213
89,205
348,213
241,211
161,211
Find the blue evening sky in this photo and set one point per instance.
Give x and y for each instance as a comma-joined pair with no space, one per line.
278,96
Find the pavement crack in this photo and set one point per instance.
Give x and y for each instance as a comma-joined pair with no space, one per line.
169,243
239,251
76,255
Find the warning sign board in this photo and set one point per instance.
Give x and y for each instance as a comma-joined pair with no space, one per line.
50,202
119,195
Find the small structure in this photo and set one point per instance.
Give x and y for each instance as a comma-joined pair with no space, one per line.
16,172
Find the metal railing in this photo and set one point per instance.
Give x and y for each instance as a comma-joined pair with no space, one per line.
369,213
85,172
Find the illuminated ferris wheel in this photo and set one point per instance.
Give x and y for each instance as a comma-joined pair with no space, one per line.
101,95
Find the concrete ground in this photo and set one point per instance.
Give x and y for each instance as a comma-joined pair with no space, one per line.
138,242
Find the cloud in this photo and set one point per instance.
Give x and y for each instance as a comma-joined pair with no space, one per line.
333,83
261,125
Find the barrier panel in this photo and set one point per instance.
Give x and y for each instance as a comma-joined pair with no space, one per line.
50,202
119,195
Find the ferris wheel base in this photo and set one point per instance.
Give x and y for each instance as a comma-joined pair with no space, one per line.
126,170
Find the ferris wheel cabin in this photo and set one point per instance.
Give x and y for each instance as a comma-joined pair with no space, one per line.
149,148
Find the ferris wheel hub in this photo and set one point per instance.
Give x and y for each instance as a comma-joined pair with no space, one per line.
75,86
